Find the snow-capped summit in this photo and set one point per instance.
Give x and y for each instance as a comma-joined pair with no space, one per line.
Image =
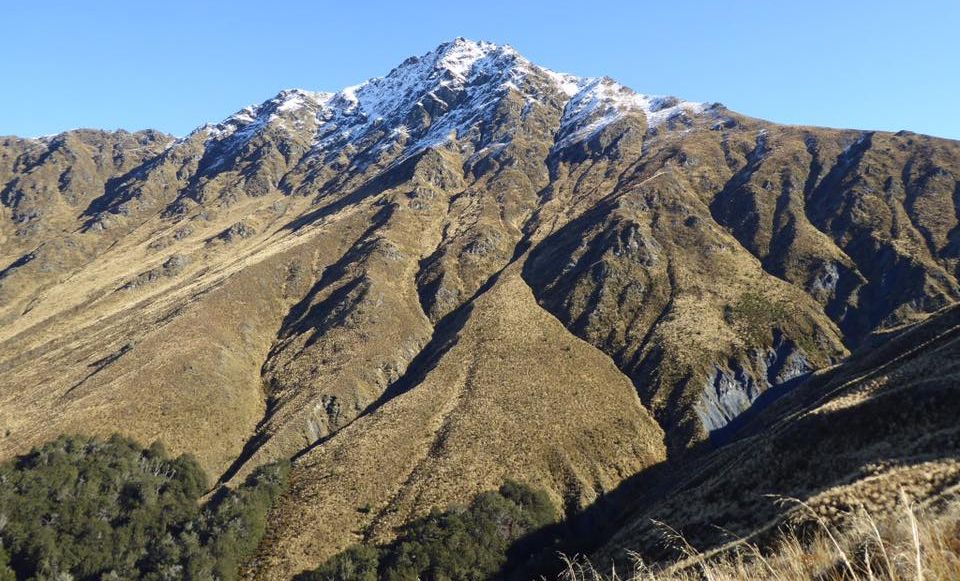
443,94
458,57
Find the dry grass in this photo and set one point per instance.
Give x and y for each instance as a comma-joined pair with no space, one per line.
913,544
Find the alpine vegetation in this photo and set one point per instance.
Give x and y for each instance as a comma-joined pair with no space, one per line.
84,508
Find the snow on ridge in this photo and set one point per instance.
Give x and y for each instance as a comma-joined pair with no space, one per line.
569,85
459,56
353,110
248,120
294,99
602,101
663,109
235,131
448,78
451,65
459,82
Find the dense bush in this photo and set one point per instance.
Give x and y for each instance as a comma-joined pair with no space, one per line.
469,543
233,523
93,509
6,573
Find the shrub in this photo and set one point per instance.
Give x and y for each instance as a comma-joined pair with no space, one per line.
92,509
462,543
234,523
6,573
358,563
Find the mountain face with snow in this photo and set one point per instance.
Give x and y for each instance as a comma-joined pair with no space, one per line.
470,269
450,94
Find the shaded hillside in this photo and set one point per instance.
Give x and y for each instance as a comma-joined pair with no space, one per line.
854,437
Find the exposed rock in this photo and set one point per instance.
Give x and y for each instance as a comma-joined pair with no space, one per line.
172,266
236,231
856,437
730,390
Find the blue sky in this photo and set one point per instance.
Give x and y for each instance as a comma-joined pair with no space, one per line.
174,65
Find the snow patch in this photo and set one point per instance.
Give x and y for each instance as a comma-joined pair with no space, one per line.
602,101
569,85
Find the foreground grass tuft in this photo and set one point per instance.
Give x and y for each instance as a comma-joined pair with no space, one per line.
913,544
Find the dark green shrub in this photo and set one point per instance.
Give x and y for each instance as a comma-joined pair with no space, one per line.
96,509
357,563
88,507
6,573
462,543
233,523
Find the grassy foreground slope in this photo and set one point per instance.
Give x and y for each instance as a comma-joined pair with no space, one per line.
875,436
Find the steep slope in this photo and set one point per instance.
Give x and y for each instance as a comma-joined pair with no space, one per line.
699,326
851,437
46,183
509,394
392,282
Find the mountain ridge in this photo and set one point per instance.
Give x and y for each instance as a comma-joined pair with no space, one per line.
589,280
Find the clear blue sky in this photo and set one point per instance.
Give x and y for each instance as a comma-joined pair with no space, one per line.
173,65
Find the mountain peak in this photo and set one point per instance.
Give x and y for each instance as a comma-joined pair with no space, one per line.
460,55
447,92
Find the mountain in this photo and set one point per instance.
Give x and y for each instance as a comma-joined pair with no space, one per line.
470,270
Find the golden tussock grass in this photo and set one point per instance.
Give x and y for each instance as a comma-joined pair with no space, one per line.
912,544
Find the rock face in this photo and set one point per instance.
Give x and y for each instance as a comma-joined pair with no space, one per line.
731,390
470,269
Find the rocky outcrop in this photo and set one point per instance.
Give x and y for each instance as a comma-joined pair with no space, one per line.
731,389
